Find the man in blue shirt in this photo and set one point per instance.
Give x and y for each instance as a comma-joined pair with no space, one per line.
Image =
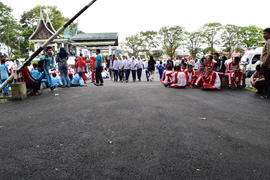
99,69
4,74
48,62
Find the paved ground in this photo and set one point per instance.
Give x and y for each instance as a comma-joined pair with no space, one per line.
136,131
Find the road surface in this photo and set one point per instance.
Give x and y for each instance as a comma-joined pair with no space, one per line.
136,131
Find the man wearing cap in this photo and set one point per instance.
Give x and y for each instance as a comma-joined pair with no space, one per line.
265,61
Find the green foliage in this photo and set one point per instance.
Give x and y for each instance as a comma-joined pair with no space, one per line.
9,29
210,33
150,40
251,35
194,43
231,37
172,38
135,43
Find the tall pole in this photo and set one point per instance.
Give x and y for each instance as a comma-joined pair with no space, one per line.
38,51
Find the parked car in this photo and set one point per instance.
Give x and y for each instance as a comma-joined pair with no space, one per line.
250,60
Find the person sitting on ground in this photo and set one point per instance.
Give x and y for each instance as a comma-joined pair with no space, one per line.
77,80
258,80
56,82
178,79
210,62
31,83
183,67
233,72
199,76
190,76
211,80
35,73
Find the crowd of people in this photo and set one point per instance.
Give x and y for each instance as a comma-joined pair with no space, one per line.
210,72
206,73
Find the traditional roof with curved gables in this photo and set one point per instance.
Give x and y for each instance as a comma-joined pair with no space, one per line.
49,23
42,31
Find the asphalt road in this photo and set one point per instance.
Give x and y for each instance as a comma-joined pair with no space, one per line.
136,131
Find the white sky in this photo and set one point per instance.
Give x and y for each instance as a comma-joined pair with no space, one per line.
128,17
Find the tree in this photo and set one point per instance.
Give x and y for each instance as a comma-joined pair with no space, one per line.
9,29
194,43
135,43
150,40
29,20
210,34
251,35
172,38
231,37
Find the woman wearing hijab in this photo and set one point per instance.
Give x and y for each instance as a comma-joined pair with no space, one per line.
61,59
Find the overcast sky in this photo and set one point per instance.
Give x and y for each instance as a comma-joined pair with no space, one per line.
128,17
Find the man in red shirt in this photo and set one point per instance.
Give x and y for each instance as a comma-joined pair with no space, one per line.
233,72
199,76
31,83
190,75
211,80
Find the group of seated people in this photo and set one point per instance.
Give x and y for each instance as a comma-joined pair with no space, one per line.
35,77
206,77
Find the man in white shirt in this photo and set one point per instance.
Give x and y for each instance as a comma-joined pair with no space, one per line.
121,70
134,64
127,66
116,69
139,68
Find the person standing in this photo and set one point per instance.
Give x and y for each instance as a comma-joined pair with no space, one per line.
145,66
47,62
121,69
127,67
112,58
116,69
99,69
4,74
161,69
80,67
265,62
61,59
134,68
139,69
151,67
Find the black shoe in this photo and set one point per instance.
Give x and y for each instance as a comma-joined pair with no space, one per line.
52,88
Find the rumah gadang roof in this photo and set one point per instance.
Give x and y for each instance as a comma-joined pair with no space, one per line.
42,31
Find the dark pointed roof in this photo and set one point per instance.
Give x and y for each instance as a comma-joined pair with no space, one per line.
42,31
49,23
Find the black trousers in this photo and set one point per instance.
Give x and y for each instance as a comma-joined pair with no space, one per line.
134,74
121,75
260,86
34,85
99,78
266,73
139,73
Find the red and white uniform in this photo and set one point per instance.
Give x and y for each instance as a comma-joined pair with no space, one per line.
80,67
212,81
234,74
199,78
210,63
167,77
179,80
191,77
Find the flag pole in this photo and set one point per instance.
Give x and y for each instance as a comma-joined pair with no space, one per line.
45,44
